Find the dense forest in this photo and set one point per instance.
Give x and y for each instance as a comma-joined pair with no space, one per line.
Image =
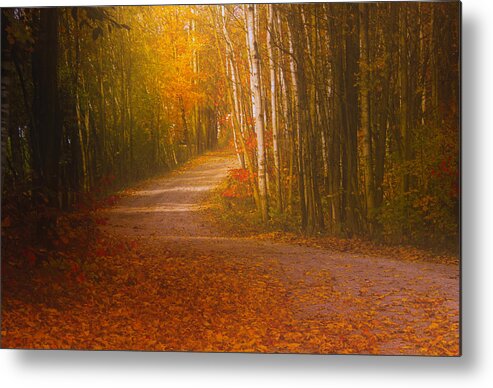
275,178
344,117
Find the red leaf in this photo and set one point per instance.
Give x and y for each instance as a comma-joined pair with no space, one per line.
30,256
75,267
80,278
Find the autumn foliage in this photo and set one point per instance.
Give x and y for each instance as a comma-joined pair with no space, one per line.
239,184
330,224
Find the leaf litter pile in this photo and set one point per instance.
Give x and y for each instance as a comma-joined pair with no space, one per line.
133,291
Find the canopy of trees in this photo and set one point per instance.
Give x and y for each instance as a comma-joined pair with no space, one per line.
344,117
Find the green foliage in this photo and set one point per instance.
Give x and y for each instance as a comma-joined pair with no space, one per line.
418,218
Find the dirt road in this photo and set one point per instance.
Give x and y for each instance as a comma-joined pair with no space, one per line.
240,294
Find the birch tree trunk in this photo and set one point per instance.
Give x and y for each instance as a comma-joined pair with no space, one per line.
273,97
258,113
236,120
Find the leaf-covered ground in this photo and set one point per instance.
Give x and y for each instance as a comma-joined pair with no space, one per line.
160,277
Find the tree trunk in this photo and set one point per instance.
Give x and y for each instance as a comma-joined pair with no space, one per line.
257,110
46,108
404,95
364,65
6,75
273,96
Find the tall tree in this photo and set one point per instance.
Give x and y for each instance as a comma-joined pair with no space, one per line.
47,131
273,107
258,113
364,81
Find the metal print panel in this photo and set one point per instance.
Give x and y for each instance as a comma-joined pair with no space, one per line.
272,178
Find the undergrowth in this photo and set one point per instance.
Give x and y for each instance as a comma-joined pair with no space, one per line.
231,209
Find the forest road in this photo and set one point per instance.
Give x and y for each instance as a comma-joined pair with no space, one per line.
242,294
